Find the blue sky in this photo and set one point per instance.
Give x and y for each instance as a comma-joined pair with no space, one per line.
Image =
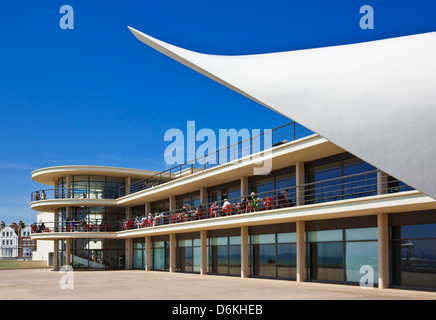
96,95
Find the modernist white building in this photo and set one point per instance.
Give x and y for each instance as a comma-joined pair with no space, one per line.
323,213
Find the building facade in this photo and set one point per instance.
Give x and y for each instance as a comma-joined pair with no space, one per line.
320,214
16,242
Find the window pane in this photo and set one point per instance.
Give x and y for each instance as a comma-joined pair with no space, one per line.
325,235
235,260
414,263
361,234
326,261
263,238
236,240
287,261
418,231
360,254
286,237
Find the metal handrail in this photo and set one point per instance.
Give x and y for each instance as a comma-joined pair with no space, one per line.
293,131
74,193
86,225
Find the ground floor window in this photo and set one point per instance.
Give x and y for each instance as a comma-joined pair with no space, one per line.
160,255
188,252
224,252
272,251
138,252
342,254
413,250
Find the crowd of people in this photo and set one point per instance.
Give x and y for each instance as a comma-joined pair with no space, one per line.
189,213
247,204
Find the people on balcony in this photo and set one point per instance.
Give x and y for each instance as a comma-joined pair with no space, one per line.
248,204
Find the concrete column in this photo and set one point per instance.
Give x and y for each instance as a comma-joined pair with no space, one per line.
244,252
301,252
299,180
128,212
172,252
203,195
172,202
383,250
382,182
128,254
203,249
55,255
147,253
147,208
67,251
244,186
127,183
64,227
68,185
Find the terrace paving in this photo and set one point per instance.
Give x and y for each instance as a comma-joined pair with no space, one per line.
44,284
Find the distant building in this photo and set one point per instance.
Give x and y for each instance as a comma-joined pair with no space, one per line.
15,242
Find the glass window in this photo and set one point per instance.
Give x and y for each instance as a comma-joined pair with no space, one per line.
325,235
326,261
359,254
361,234
414,255
160,256
224,255
264,238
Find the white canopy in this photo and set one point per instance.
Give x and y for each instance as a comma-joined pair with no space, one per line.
376,99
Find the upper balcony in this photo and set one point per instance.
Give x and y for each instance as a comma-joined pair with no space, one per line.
254,145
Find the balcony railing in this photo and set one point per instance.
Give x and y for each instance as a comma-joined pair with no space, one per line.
75,193
85,225
283,134
342,188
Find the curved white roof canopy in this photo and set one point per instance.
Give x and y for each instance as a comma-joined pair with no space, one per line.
376,99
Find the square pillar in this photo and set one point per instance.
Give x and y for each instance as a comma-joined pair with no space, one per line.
128,254
147,253
68,251
68,186
127,186
147,208
244,186
56,254
382,182
301,252
203,249
172,203
299,181
128,211
244,252
203,195
172,252
383,250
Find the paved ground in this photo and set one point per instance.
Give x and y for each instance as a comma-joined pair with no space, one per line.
37,284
